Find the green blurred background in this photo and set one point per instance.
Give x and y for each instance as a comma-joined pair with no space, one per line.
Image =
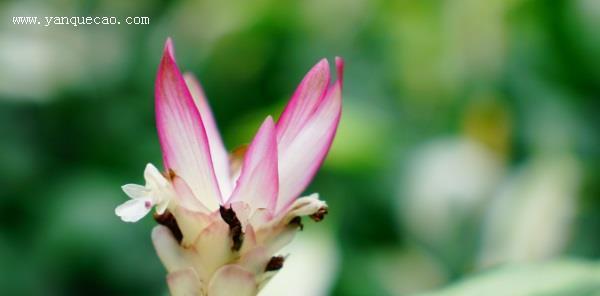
466,162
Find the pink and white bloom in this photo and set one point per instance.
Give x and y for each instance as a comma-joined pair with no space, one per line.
223,217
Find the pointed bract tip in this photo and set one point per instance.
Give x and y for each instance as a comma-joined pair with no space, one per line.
150,166
339,66
169,49
269,120
267,126
322,64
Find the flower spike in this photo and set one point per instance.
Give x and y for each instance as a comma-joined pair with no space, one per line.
224,219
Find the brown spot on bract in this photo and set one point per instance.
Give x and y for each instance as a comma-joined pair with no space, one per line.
168,220
297,221
235,227
169,174
276,263
320,214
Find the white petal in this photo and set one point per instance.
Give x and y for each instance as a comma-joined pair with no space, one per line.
305,206
153,177
162,206
134,209
232,280
135,190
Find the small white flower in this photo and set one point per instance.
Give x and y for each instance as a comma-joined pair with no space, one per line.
158,191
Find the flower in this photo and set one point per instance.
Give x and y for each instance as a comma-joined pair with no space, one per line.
224,218
157,192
